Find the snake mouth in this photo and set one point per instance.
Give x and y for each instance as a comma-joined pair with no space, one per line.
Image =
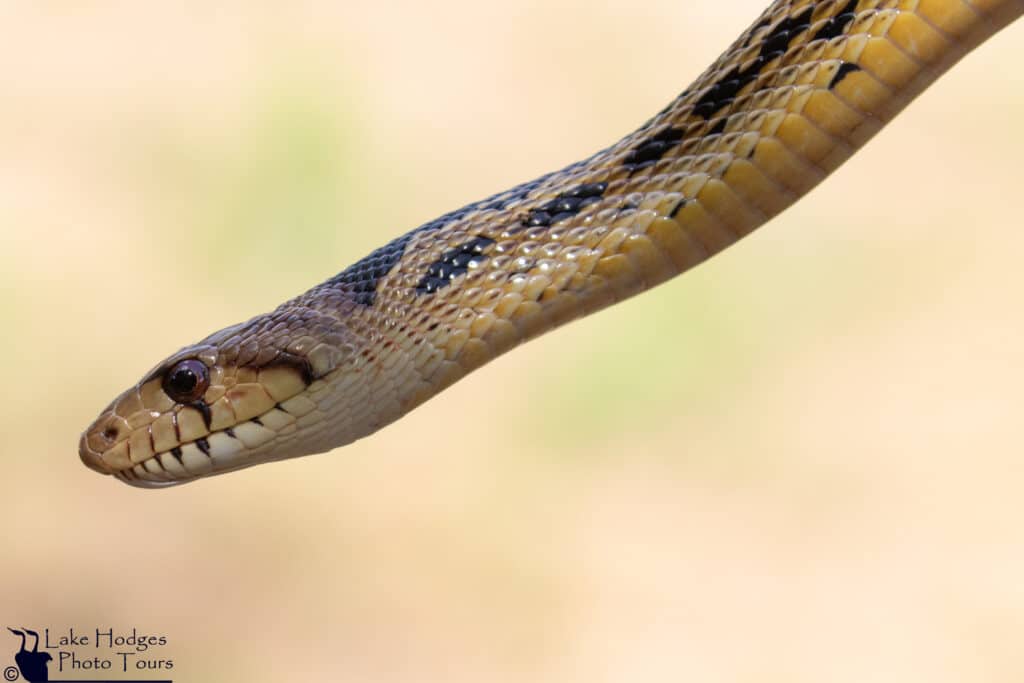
219,452
242,445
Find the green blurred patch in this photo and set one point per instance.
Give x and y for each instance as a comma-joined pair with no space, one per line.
698,347
268,199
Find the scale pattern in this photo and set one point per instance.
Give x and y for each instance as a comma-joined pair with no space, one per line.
802,89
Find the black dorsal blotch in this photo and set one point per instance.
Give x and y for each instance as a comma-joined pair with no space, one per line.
774,45
844,70
363,277
653,148
680,205
835,26
566,205
453,263
763,23
537,218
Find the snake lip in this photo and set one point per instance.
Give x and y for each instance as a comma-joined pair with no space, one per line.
232,448
168,467
126,477
91,458
126,448
202,457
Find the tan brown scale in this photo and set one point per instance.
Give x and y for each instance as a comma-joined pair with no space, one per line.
806,86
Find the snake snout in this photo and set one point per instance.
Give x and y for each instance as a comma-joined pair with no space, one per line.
91,458
197,414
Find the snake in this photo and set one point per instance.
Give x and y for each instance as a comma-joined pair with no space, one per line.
803,88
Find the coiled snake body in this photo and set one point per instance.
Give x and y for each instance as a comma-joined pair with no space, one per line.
803,88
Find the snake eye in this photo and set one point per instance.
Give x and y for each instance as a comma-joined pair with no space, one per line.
187,381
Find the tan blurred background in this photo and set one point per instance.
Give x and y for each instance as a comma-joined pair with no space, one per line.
800,462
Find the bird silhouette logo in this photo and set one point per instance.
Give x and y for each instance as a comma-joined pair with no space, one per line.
32,664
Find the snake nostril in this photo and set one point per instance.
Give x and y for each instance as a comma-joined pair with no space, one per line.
109,433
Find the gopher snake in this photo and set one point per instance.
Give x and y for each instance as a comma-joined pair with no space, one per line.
800,90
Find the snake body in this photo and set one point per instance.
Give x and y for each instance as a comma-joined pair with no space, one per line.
797,93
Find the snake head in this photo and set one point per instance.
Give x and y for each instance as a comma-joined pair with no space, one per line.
245,395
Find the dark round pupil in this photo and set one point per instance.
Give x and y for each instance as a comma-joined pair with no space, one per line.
183,380
186,381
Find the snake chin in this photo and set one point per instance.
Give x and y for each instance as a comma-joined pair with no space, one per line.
216,453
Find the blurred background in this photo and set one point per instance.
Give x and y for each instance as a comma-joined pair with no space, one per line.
800,462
